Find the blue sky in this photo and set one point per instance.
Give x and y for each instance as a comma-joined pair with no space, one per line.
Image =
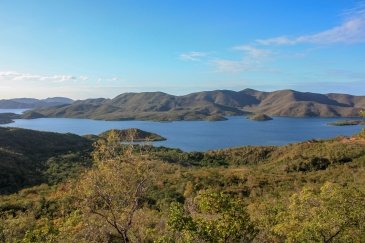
89,48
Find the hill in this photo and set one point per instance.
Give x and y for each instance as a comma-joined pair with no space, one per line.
26,155
290,188
210,105
259,117
25,103
8,117
133,135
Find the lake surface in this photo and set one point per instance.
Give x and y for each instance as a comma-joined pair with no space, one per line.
205,135
16,111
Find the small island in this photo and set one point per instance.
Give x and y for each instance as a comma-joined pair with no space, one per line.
6,118
347,123
259,117
134,134
216,118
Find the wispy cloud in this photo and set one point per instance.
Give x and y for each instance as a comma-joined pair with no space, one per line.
225,65
252,60
350,31
17,76
193,56
254,52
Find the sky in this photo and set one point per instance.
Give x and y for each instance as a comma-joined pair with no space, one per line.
88,48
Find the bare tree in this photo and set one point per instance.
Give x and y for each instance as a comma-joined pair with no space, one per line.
115,188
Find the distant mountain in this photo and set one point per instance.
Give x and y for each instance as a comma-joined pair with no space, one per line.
209,105
25,103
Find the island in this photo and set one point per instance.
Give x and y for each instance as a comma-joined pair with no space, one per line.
134,135
6,118
347,123
259,117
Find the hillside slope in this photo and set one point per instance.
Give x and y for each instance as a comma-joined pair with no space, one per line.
25,154
25,103
210,105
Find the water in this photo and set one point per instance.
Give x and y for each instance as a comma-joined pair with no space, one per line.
16,111
205,135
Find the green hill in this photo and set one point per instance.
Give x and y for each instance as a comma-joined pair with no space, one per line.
135,134
266,192
26,155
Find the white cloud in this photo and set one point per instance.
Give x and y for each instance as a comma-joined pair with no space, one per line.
251,61
350,31
83,78
253,52
224,65
17,76
192,56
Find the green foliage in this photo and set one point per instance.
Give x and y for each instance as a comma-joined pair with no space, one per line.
362,113
305,192
335,214
65,166
362,133
44,233
135,134
114,189
24,154
218,217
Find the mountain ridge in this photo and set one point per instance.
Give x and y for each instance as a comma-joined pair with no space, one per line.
209,105
29,103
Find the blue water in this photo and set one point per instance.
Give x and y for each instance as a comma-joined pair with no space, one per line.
205,135
16,111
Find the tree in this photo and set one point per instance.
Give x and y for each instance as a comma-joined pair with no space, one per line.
115,188
362,133
362,113
213,217
335,214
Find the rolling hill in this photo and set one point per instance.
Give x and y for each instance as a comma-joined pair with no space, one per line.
209,105
25,103
26,155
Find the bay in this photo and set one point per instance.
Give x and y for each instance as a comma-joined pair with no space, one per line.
205,135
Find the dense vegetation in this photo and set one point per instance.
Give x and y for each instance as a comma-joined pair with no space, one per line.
307,192
30,157
209,105
135,134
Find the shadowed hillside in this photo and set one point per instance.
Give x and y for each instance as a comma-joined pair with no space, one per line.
26,155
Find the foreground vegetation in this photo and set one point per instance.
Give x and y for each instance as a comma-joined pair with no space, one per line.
307,192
